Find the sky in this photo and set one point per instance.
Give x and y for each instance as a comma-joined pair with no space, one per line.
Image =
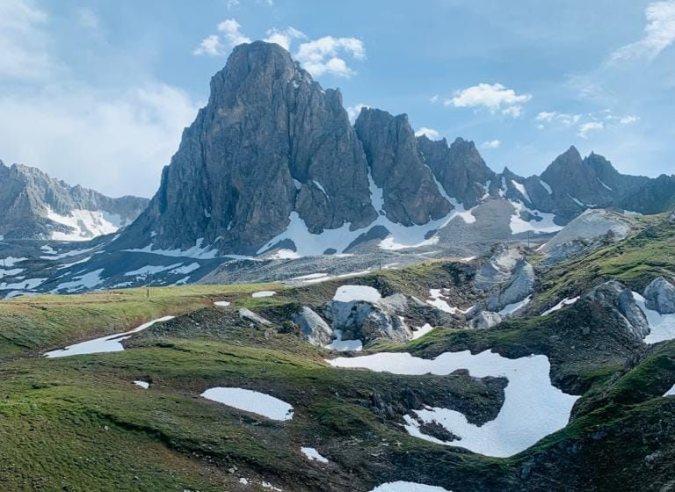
97,93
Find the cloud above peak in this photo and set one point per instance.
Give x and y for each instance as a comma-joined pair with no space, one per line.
496,98
430,133
324,56
659,34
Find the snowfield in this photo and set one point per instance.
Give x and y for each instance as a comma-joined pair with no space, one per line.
251,401
84,224
670,392
349,293
661,326
340,345
111,343
533,407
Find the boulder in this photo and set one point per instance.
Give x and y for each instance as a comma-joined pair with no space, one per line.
485,319
660,296
314,329
622,308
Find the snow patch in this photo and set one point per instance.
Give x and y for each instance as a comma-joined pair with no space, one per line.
407,487
565,302
197,251
84,224
533,407
349,293
142,384
421,331
313,455
661,326
512,308
252,402
87,280
670,392
521,189
222,303
546,186
264,293
544,226
111,343
340,345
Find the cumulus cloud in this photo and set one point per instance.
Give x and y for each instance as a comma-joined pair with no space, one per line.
284,37
629,120
491,144
355,111
24,48
659,34
496,98
229,35
592,126
430,133
327,55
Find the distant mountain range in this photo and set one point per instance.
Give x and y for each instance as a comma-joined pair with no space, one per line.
272,182
35,206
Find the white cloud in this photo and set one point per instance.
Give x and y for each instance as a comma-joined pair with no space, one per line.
659,34
284,37
219,44
434,99
210,46
232,4
430,133
324,55
629,120
96,138
565,119
491,144
354,111
24,48
494,97
590,127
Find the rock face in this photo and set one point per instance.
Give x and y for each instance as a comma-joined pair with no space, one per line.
410,193
518,288
660,296
621,306
314,329
460,169
485,319
269,142
367,321
35,206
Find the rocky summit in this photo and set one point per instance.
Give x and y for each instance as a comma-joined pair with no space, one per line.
272,162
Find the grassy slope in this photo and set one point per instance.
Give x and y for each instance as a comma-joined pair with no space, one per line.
41,322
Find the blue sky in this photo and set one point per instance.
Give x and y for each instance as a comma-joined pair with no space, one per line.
97,92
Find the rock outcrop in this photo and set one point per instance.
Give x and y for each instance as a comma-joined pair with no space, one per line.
314,329
660,296
409,190
620,305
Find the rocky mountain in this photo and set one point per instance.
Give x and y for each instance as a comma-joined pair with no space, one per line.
35,206
272,164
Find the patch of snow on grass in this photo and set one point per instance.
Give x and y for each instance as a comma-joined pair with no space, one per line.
111,343
565,302
313,455
285,254
151,270
670,392
340,345
142,384
184,270
264,293
533,407
349,293
407,487
438,300
251,401
661,326
222,303
421,331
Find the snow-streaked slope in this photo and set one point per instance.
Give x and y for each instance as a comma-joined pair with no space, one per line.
84,224
661,326
533,407
111,343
